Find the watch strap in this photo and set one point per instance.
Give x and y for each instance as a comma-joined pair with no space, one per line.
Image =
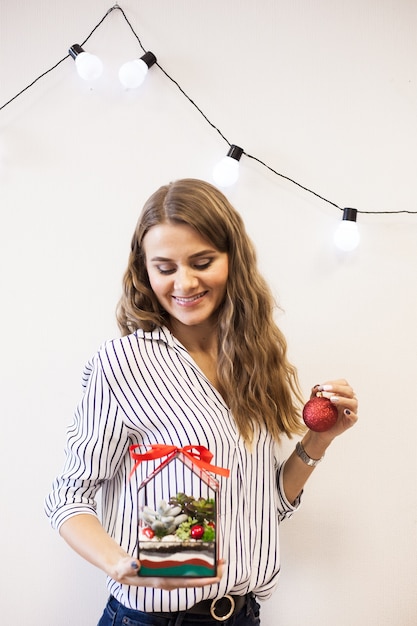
304,456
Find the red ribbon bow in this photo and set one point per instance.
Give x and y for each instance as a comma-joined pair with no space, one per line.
199,455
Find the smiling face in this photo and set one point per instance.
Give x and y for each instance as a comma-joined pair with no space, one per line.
187,274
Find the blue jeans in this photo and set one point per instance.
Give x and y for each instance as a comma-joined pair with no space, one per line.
115,614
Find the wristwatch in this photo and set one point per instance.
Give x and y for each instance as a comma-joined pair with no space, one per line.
304,456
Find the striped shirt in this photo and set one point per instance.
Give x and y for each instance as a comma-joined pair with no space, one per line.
145,389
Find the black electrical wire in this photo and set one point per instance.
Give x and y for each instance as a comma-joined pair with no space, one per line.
271,169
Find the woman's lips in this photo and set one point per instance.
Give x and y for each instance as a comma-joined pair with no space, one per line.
189,300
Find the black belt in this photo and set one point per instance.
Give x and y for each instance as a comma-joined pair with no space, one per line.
220,609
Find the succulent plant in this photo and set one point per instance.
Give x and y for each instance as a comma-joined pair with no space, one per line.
165,520
183,516
202,509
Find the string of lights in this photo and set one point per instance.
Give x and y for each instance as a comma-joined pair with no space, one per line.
227,171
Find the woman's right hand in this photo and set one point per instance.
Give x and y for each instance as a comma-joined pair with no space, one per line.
86,535
127,573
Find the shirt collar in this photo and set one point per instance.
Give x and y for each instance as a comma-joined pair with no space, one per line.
160,333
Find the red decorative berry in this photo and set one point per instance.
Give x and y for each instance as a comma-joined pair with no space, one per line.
148,532
197,531
319,414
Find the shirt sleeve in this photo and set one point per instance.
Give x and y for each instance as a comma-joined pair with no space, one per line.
286,509
96,443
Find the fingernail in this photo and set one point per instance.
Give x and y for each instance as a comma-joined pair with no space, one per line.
334,399
326,387
347,412
134,565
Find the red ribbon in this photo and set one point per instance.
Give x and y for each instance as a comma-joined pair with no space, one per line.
199,455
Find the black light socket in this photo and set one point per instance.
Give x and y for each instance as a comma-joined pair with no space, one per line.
235,152
149,58
350,214
75,50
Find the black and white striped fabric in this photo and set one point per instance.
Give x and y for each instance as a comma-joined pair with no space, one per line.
146,389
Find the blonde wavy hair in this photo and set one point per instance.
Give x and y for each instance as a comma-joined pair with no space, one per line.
257,380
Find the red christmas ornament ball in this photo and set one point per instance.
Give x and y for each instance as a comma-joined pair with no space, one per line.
148,532
197,531
319,414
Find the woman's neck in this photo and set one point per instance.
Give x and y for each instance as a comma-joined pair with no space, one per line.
202,345
196,339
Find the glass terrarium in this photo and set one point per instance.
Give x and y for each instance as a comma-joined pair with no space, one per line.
178,519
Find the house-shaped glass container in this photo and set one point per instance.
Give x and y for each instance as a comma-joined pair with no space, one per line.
178,520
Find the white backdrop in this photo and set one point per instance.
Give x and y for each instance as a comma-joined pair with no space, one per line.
325,92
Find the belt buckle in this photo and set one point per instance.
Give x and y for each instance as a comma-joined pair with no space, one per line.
222,618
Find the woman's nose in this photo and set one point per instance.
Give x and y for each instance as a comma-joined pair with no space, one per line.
185,279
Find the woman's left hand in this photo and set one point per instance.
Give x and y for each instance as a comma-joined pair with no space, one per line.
341,394
315,444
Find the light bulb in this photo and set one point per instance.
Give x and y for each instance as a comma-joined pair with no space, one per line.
226,172
347,234
88,66
133,73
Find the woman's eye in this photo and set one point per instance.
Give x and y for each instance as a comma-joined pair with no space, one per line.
166,270
203,264
162,269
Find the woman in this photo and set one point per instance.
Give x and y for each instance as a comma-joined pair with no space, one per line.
201,362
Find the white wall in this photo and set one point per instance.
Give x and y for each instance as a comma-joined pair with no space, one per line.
324,92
